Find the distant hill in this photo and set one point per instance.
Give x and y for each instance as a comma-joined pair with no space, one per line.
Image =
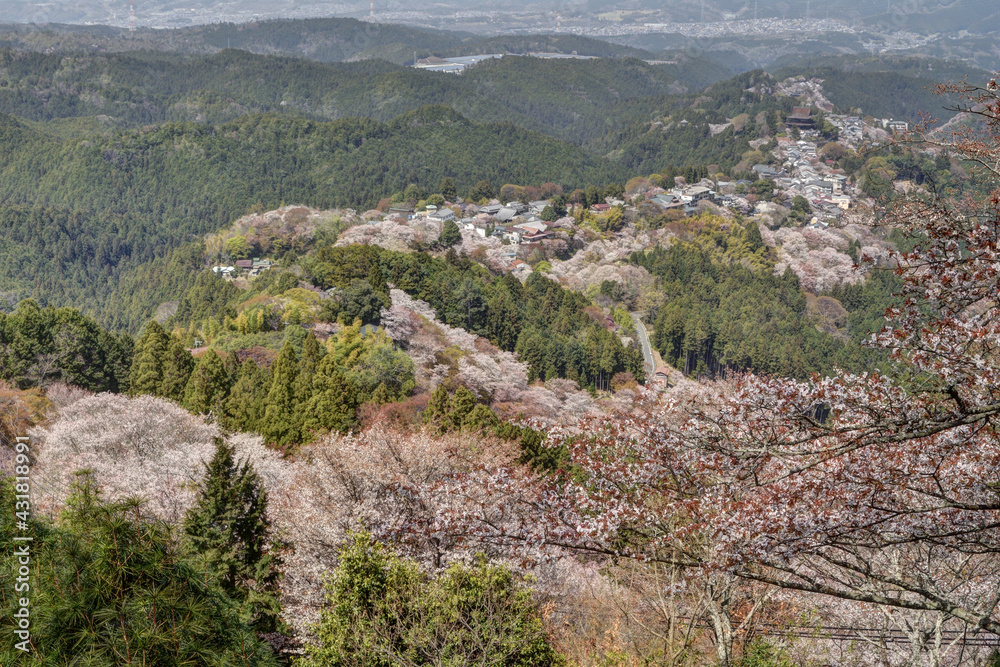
321,39
571,99
885,86
76,216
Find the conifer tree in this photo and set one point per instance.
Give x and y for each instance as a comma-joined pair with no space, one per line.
462,403
208,385
503,322
177,366
447,189
243,409
311,355
450,234
334,404
754,240
438,408
280,424
229,529
146,375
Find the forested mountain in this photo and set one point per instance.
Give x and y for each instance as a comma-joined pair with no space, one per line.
320,39
77,214
570,99
889,87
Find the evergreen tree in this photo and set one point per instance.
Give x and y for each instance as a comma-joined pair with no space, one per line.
438,408
209,383
447,189
243,409
482,190
229,529
462,403
450,234
311,355
280,424
754,240
146,375
504,322
111,586
383,611
334,404
177,367
481,418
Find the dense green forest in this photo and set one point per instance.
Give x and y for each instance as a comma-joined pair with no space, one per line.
678,134
725,310
321,39
78,215
573,100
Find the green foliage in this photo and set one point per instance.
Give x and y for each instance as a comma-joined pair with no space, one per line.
147,364
228,528
208,385
450,234
109,587
548,326
358,301
42,345
764,653
281,425
243,409
177,367
448,189
333,402
720,317
96,222
382,610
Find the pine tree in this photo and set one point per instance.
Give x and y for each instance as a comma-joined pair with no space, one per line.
208,385
146,375
280,424
503,322
229,529
177,367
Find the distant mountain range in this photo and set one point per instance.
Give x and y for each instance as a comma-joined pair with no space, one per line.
978,16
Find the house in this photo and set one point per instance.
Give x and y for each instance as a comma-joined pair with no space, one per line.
517,265
765,171
538,206
896,125
224,271
506,214
258,265
442,214
532,226
491,209
600,207
662,377
244,265
534,237
698,193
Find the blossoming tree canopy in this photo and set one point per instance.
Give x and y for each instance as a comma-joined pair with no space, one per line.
878,487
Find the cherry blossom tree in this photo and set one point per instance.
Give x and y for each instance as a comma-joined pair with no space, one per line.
880,488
